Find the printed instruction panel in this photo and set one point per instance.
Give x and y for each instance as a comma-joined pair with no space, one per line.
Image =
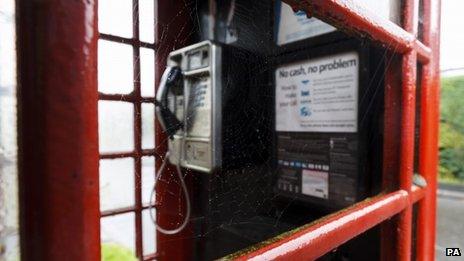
318,95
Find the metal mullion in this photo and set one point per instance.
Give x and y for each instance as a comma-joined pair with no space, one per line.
149,257
407,138
428,142
392,117
125,98
119,211
137,134
424,53
147,100
131,41
129,154
116,97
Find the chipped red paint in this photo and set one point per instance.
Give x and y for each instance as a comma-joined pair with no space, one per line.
57,130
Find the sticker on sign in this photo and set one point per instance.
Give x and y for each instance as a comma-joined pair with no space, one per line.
315,183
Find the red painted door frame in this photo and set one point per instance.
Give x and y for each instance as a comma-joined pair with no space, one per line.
57,130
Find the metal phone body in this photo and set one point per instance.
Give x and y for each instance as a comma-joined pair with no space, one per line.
198,107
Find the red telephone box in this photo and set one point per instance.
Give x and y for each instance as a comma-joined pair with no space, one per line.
58,133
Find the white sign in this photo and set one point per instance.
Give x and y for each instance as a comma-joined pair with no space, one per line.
315,183
318,95
295,26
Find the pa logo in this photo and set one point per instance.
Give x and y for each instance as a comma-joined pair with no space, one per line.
453,251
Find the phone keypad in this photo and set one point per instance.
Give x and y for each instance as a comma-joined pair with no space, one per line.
200,96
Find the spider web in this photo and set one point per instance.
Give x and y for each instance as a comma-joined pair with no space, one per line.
238,207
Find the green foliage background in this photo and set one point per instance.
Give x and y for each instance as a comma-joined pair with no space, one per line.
115,252
451,167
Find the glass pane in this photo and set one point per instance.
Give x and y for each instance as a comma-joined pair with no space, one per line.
147,20
148,169
115,126
9,206
148,177
116,183
148,125
147,70
115,67
148,234
118,236
115,17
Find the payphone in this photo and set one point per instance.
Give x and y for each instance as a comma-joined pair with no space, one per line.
210,113
205,106
210,103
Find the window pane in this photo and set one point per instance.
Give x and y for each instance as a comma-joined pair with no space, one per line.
116,183
148,177
148,234
118,235
147,70
148,174
148,125
115,17
115,67
147,20
115,120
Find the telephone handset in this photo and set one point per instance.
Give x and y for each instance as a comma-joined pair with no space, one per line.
171,81
189,106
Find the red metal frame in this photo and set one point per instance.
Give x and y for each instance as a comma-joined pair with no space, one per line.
136,99
428,143
394,209
57,130
391,159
